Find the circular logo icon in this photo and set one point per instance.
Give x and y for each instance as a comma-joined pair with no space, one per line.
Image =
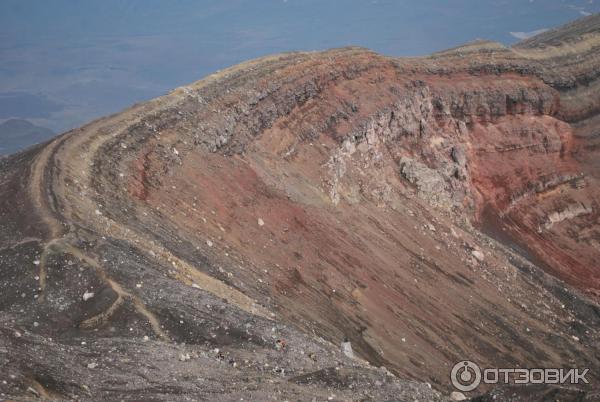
465,376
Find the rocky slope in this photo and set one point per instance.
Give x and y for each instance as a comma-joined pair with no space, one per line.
428,209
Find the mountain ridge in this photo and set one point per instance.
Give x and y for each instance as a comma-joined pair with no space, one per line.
310,197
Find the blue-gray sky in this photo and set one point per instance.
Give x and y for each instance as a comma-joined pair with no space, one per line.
64,62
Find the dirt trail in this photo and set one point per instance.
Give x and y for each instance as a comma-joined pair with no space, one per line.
42,391
119,290
38,189
186,272
43,273
86,146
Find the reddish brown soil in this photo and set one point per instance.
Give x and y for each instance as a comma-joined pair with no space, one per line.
365,267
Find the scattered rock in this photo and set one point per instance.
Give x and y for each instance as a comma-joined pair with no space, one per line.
458,396
458,156
280,344
430,183
33,391
478,255
347,349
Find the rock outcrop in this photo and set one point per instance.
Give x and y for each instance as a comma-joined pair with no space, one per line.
219,242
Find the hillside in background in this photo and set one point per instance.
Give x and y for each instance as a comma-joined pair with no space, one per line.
16,134
63,64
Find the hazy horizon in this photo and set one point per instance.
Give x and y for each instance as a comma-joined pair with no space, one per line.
65,63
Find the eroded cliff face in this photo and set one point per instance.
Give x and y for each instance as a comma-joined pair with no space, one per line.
427,209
